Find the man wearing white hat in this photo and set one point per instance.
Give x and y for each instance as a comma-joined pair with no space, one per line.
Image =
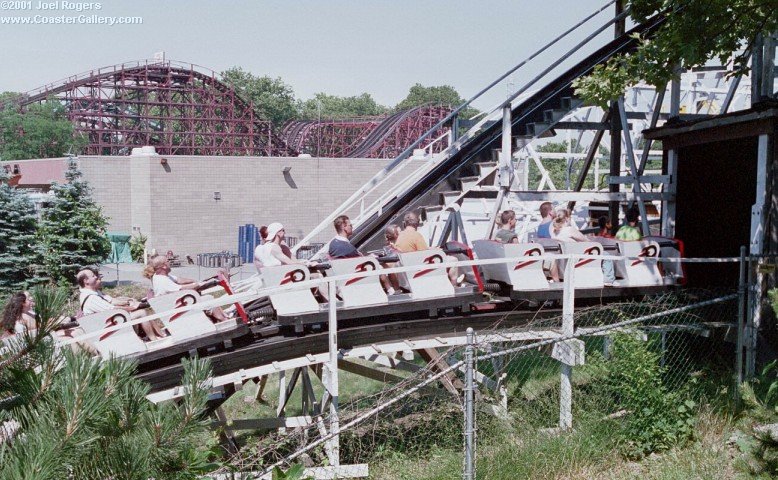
269,254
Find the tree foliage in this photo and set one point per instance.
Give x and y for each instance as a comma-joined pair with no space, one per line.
68,415
333,107
272,98
441,95
72,229
694,32
40,131
19,251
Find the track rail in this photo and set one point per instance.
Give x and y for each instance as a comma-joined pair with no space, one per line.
266,351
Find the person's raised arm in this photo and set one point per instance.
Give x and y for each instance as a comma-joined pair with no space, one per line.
276,251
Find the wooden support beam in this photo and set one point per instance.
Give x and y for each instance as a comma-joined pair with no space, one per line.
263,423
452,383
226,435
368,372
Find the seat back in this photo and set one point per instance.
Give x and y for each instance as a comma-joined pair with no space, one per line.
588,271
359,290
120,342
670,248
295,301
430,282
465,253
522,275
526,274
487,249
183,325
642,270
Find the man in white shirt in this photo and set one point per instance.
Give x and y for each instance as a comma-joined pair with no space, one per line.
163,282
93,300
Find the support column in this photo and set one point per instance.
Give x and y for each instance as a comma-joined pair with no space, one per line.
568,328
633,166
332,376
505,152
668,212
615,160
759,233
504,168
619,28
469,473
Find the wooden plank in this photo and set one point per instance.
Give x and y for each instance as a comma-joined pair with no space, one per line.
263,423
589,196
367,372
452,383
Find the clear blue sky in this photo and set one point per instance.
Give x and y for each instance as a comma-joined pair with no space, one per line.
341,47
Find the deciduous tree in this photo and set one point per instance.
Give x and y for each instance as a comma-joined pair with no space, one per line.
693,33
439,95
272,98
334,107
37,131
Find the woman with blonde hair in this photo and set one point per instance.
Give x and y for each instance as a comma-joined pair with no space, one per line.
563,230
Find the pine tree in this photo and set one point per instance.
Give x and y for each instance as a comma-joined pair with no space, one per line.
66,415
19,250
73,229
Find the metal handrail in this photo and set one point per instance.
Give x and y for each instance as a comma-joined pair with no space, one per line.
371,184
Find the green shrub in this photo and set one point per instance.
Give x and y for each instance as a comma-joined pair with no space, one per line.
137,246
656,419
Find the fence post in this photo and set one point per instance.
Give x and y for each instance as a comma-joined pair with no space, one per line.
566,386
469,473
752,311
332,367
741,310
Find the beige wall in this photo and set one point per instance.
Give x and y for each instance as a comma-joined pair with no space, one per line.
174,204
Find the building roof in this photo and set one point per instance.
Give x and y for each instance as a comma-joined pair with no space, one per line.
758,120
37,173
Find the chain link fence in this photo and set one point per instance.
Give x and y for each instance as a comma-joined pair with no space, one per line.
630,379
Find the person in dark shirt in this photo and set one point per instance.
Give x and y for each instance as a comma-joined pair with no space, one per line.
340,245
506,233
606,227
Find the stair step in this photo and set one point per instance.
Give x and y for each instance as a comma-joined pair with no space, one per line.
486,165
469,179
539,129
554,115
468,182
483,192
570,103
522,141
446,197
430,212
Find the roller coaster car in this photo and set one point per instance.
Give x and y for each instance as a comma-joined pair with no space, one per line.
122,342
362,297
642,274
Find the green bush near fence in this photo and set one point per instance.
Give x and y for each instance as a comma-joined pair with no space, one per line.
655,418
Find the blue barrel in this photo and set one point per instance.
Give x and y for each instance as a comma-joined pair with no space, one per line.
248,239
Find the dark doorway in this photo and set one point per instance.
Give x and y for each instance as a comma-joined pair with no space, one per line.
716,190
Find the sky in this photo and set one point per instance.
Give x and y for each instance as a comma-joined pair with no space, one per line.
340,47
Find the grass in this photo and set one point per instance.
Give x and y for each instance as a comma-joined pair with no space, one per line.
243,405
585,453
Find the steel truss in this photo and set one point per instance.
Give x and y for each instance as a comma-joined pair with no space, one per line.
181,109
368,137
